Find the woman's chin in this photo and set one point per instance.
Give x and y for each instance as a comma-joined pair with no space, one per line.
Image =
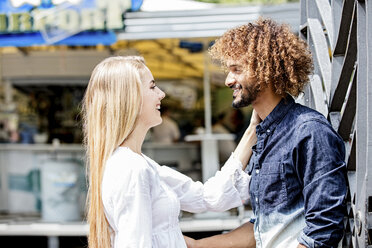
158,122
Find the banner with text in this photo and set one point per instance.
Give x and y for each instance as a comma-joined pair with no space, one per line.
70,22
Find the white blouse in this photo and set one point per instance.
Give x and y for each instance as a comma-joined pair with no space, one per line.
142,200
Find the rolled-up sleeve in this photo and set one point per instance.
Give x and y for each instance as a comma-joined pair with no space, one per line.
226,190
322,169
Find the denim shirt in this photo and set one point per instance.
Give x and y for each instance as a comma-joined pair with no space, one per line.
298,184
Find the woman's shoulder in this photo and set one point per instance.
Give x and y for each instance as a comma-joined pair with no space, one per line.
126,164
126,159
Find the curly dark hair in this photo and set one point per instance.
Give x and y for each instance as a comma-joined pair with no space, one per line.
275,55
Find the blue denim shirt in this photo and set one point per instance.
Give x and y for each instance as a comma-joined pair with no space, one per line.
298,184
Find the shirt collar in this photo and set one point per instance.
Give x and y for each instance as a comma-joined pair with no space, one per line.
272,120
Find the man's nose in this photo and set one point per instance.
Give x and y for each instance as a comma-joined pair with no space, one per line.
230,80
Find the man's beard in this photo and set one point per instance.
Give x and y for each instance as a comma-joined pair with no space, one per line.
248,95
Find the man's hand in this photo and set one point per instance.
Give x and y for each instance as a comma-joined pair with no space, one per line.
301,246
190,242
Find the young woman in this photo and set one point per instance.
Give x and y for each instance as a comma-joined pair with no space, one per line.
133,201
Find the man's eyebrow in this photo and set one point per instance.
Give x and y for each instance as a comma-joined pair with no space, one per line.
233,65
152,81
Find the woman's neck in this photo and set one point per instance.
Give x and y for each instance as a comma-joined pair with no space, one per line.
136,139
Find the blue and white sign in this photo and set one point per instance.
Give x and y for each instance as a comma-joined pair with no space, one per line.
69,22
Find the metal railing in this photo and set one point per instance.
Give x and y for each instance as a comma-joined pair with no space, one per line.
339,33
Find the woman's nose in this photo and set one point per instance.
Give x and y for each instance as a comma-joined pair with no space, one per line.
161,94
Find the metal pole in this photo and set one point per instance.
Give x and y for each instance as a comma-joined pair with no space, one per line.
53,242
210,161
207,92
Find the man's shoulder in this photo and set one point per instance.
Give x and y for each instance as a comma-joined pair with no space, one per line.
307,121
302,115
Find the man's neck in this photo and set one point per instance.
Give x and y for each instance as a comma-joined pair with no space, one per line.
266,102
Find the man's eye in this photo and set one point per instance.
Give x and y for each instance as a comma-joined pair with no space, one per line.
153,87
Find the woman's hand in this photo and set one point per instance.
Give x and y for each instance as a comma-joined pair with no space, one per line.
255,119
243,151
190,242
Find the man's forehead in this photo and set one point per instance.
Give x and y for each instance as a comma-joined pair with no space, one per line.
233,63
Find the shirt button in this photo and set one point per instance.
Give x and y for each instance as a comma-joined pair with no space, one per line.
256,199
257,171
268,131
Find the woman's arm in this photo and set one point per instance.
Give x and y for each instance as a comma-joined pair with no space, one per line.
243,151
226,190
129,203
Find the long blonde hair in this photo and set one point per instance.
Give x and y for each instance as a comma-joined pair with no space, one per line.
110,108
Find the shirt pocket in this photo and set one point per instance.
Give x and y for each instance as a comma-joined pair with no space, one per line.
272,185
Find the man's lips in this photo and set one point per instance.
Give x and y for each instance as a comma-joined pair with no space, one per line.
237,88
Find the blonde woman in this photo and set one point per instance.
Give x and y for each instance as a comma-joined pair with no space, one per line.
133,201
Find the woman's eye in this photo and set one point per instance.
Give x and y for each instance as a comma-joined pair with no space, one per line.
153,87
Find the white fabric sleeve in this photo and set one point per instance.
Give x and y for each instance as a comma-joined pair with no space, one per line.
133,211
226,190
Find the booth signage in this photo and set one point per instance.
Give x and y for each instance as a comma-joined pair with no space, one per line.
57,20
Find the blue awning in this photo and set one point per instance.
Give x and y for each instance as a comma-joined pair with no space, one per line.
86,38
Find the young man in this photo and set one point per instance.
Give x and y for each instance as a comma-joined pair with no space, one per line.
298,183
